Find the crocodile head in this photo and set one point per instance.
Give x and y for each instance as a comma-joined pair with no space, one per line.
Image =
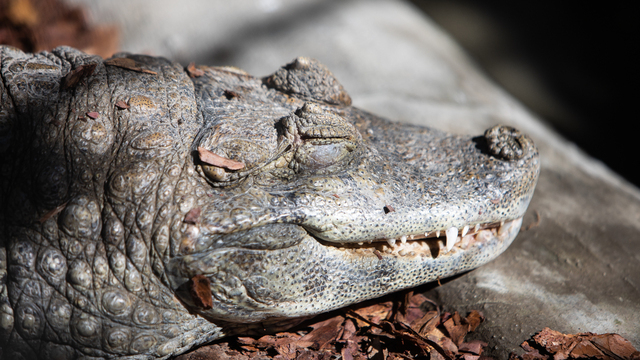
328,205
147,209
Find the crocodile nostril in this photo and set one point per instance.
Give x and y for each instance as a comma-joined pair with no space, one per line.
506,142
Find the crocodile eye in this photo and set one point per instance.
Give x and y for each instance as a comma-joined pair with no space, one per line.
217,168
312,156
320,138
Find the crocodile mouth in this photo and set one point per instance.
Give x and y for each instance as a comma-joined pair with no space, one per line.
434,243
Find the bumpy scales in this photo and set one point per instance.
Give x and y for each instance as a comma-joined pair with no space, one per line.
145,211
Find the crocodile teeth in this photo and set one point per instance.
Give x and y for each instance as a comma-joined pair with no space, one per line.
403,239
392,242
452,234
465,230
476,228
437,233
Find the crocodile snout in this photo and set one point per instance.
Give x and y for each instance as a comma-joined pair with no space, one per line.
508,143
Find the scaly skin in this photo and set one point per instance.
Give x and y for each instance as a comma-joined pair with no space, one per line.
106,217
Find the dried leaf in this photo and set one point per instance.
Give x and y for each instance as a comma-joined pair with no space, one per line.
324,332
412,307
93,114
474,347
75,76
473,320
374,313
456,330
349,330
193,216
560,346
228,94
348,352
470,357
200,291
617,345
428,322
210,158
122,105
193,71
52,213
586,349
129,64
553,341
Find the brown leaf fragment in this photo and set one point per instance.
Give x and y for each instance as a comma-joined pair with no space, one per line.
473,320
447,344
210,158
586,349
374,313
434,355
228,94
428,322
378,254
411,308
559,346
349,330
552,341
122,105
200,291
388,209
75,76
616,345
52,213
350,351
474,347
286,351
193,71
93,114
304,354
457,331
525,345
324,332
193,216
470,357
245,340
129,64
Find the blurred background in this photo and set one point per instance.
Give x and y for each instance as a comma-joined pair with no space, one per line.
574,66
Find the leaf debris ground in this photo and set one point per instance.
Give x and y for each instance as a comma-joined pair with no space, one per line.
406,329
389,330
551,344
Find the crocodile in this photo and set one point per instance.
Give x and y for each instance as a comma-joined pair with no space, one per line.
148,208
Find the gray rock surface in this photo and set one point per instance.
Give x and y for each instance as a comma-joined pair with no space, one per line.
577,270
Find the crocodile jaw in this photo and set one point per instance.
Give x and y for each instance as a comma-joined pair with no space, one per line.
257,285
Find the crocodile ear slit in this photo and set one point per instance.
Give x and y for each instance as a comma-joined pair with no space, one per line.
309,80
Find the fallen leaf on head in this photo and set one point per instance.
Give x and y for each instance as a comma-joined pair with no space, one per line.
75,76
129,64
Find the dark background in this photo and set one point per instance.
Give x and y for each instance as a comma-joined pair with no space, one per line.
575,65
